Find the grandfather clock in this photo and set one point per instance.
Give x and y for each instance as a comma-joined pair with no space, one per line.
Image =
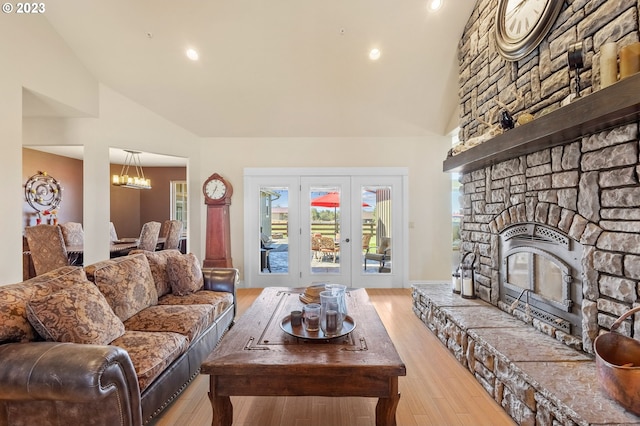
217,196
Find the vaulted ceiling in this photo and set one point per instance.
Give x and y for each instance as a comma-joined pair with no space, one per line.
277,68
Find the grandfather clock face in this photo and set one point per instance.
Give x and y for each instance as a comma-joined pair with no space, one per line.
217,190
217,196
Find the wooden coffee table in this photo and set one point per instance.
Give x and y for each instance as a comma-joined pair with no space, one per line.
257,358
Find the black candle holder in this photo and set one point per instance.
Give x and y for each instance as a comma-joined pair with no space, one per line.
575,61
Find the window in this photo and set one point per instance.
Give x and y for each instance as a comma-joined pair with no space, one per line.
456,208
179,202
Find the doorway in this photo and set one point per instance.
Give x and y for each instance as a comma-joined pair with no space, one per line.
306,226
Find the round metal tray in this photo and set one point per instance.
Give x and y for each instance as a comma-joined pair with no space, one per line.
299,331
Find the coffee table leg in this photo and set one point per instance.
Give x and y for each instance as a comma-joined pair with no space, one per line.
221,405
386,407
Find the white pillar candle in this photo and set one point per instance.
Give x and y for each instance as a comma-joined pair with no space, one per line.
456,284
608,65
467,289
629,60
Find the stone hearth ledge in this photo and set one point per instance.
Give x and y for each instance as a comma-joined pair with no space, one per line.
535,378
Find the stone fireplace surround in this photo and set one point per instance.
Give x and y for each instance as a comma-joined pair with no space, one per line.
575,169
587,187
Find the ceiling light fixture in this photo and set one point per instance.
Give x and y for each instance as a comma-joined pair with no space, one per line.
192,54
374,54
135,182
435,4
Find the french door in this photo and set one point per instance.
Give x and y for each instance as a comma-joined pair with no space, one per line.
308,226
326,229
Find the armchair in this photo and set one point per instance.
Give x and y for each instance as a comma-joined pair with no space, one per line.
382,255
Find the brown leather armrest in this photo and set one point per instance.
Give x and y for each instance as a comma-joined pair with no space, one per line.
68,372
222,279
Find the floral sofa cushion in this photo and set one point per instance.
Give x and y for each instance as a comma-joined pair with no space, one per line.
77,314
158,264
190,321
126,283
185,274
151,352
219,299
14,325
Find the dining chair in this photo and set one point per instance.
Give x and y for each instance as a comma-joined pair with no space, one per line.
173,235
149,236
113,235
164,229
366,240
73,236
328,245
316,244
47,248
72,233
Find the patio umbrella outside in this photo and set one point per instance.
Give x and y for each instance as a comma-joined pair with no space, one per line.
331,199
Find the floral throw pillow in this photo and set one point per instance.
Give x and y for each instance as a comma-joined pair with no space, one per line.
77,314
185,274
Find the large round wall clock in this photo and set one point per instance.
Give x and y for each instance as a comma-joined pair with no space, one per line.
522,24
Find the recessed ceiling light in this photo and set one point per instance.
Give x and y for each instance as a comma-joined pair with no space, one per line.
435,4
374,54
192,54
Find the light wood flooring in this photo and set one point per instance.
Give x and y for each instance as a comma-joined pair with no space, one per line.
436,391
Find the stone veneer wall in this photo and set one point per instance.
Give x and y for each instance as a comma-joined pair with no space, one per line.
589,189
539,82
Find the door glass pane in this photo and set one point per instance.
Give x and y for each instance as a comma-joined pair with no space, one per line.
325,229
548,279
376,229
518,269
274,230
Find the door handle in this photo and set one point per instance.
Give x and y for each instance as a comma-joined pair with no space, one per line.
346,241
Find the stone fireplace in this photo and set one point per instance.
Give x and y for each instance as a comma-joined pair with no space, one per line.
562,191
551,210
583,194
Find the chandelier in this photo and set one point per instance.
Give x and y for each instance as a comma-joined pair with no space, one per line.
132,160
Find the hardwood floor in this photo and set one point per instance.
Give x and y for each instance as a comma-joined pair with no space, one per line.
436,391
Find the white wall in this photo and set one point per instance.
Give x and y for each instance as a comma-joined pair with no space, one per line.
429,187
42,63
33,56
122,124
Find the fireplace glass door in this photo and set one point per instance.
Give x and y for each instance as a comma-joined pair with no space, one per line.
539,273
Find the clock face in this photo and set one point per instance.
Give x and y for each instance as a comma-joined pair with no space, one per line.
521,16
522,24
216,189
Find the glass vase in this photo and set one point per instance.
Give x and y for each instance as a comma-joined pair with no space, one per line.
330,317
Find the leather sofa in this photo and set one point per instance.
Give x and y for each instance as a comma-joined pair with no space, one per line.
112,343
